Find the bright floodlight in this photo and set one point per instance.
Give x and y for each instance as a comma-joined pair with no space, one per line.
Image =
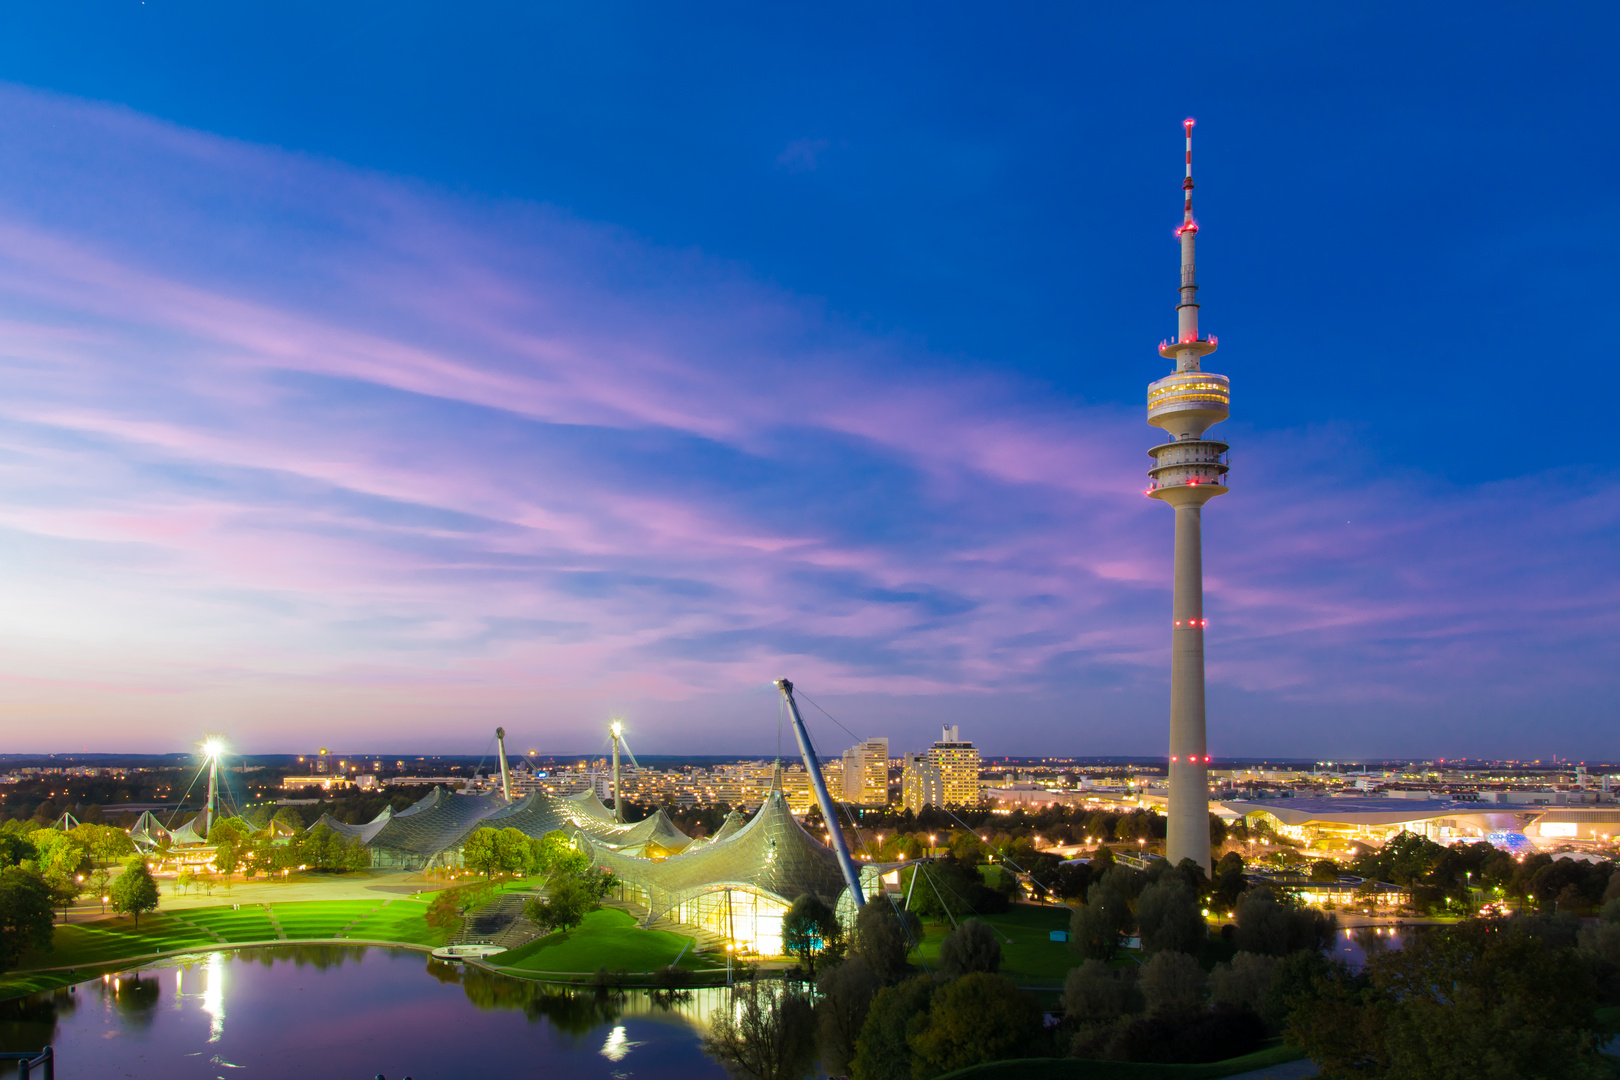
618,729
213,748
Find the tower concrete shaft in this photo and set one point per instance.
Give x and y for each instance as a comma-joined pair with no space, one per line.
1188,471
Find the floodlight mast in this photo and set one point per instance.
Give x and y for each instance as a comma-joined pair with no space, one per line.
211,748
829,813
506,773
616,729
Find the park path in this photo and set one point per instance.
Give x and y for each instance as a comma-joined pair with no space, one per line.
1290,1070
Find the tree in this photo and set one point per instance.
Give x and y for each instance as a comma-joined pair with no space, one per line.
883,937
229,837
25,914
1172,982
14,849
977,1018
481,852
770,1036
60,854
846,992
1480,999
103,842
1324,870
65,888
883,1051
971,947
1268,925
810,926
1094,993
567,902
1169,915
556,853
512,850
100,880
135,890
1244,982
1097,925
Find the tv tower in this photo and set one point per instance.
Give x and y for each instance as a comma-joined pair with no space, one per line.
1187,472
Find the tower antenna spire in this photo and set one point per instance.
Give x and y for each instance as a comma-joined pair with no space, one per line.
1187,184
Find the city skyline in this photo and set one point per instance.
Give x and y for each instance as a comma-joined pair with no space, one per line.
302,439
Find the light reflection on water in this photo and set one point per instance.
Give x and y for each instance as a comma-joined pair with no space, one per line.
1354,944
355,1012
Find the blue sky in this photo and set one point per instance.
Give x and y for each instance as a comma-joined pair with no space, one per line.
383,373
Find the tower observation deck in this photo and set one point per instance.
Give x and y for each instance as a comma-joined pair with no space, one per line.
1188,471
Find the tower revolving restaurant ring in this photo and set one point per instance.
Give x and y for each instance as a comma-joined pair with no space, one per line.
1188,402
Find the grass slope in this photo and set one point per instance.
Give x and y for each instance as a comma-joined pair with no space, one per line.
1031,956
118,940
607,938
1076,1069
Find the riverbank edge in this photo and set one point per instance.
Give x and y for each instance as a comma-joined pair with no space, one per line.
57,977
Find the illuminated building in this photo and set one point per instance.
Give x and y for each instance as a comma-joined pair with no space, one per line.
741,883
1187,472
866,773
921,783
958,764
947,774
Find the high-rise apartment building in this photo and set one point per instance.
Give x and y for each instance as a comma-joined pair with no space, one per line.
866,773
920,783
947,774
958,764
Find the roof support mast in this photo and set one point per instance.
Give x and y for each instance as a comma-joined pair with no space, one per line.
506,773
829,813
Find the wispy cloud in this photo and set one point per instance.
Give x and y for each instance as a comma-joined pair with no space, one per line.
299,448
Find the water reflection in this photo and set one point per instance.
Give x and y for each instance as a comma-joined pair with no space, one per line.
1356,945
29,1023
357,1011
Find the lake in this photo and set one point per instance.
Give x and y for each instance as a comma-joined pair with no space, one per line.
336,1011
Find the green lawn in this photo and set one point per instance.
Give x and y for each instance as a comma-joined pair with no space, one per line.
607,938
251,923
402,920
112,939
321,918
1076,1069
1030,954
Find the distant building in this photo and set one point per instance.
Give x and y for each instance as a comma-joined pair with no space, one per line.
946,774
958,764
325,783
921,783
866,773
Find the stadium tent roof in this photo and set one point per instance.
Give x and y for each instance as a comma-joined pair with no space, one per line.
436,823
148,830
588,802
734,821
363,833
441,822
653,836
187,833
772,854
539,813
